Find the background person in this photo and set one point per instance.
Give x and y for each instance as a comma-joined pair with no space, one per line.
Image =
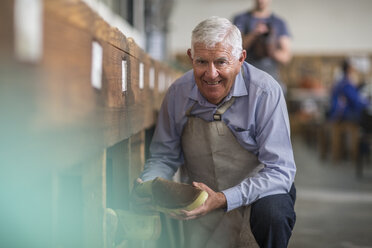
346,108
266,38
347,103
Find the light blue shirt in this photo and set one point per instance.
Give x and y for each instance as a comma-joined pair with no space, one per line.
258,119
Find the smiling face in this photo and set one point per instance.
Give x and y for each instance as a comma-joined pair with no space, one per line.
215,70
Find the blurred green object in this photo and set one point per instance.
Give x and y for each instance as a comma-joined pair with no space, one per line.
127,225
138,226
171,197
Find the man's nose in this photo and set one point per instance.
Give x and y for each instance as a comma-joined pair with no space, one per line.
211,71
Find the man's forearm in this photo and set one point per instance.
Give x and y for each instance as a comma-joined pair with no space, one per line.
248,40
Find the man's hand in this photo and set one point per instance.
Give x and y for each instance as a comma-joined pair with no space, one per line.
248,39
260,29
214,201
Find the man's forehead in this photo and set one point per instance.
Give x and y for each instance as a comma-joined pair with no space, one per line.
216,46
218,51
214,58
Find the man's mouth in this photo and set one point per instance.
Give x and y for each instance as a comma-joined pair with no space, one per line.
213,82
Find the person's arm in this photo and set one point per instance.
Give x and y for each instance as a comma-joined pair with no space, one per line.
165,152
281,52
165,145
249,38
280,42
354,97
272,135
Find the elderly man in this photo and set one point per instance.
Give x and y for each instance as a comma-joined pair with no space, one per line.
226,123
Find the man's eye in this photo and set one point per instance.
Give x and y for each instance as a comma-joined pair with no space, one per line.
221,62
201,62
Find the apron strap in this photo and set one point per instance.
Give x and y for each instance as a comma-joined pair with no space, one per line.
218,115
188,111
219,112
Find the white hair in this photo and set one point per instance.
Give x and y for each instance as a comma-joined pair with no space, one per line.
215,30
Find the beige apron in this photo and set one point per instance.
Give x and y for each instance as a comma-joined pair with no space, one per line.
214,157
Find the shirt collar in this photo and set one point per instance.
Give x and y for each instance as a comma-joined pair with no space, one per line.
239,88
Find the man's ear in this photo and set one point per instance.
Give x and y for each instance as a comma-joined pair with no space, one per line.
243,56
189,53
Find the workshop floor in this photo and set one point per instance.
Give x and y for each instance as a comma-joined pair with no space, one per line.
334,207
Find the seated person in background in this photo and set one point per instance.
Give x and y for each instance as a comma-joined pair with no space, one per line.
347,104
346,108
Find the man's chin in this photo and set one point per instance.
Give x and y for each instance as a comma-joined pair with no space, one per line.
214,99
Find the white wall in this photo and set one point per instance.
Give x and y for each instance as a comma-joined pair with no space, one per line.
317,26
116,21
